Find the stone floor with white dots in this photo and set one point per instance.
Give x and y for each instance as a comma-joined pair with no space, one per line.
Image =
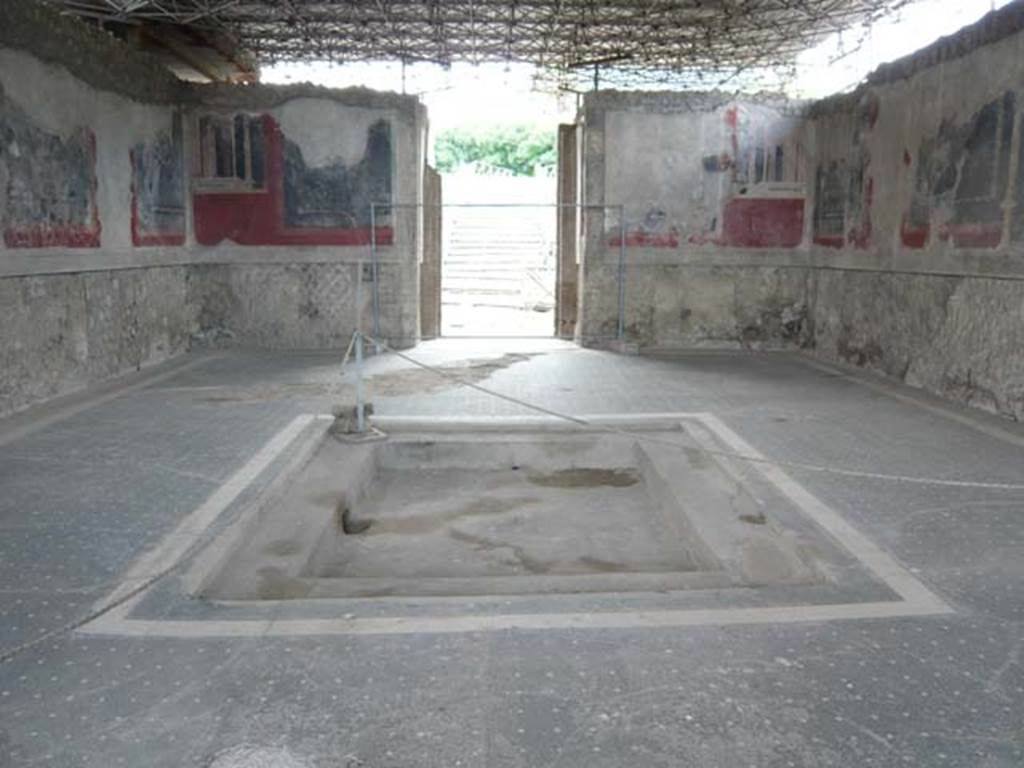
909,656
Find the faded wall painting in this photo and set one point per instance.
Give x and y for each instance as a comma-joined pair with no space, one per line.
336,196
743,185
763,200
47,183
267,194
961,177
844,187
158,188
830,204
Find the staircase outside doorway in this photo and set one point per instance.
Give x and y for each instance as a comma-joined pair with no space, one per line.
498,262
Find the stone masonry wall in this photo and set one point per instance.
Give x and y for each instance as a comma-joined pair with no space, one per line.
706,197
919,219
119,248
64,332
882,228
958,337
77,306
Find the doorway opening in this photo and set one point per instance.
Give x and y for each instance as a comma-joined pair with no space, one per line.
498,262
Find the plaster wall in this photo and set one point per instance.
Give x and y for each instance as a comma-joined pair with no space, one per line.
910,255
101,267
926,282
66,195
704,206
42,107
295,285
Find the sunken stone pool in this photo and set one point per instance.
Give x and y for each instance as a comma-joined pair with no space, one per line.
474,509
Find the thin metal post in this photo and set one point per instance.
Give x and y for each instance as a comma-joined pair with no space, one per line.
375,265
360,405
621,329
358,341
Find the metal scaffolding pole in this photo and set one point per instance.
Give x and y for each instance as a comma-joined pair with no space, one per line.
375,267
580,43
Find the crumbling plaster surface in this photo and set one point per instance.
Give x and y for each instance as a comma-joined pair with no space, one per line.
308,306
946,315
258,96
646,152
75,316
673,306
958,337
95,56
921,307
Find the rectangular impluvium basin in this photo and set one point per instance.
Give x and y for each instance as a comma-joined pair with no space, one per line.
484,512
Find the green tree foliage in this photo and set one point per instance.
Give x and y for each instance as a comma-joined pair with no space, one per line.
512,150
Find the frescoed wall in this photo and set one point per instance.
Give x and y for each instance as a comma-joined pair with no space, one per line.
714,194
961,175
80,303
47,183
902,254
764,202
844,184
293,202
721,174
132,227
922,165
158,188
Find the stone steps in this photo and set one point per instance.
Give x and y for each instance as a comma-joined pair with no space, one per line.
498,257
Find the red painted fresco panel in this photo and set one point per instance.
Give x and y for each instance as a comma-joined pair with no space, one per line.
912,237
257,218
976,235
647,239
763,222
43,236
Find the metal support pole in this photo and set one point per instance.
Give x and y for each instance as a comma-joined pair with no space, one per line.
358,341
375,266
621,329
360,405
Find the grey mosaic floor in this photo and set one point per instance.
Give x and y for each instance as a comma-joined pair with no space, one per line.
87,491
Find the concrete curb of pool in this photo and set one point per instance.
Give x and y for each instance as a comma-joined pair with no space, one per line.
915,600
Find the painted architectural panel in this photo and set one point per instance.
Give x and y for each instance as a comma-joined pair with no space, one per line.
830,204
767,222
158,188
292,203
733,178
844,186
961,176
47,183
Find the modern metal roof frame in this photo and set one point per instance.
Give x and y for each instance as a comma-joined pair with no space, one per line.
635,40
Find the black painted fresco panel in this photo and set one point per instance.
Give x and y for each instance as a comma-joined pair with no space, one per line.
158,188
47,183
829,202
336,195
